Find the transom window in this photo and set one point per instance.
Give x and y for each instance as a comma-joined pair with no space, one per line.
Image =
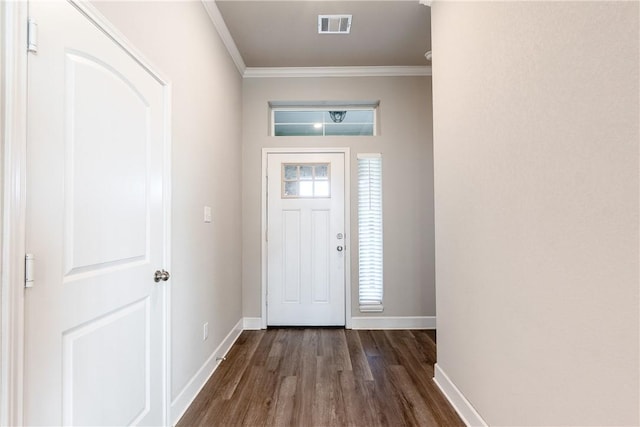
305,180
338,119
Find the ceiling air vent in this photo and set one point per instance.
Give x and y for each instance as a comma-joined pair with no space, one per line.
334,24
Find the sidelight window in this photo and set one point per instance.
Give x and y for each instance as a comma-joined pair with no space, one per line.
370,232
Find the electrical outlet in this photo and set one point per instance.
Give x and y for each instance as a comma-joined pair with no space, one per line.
207,214
205,331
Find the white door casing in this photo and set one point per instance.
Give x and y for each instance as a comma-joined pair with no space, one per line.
95,320
13,135
306,244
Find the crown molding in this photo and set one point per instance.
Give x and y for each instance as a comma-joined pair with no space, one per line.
397,71
239,1
218,22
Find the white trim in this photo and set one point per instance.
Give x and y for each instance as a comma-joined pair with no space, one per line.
318,0
167,262
263,240
114,34
381,322
252,323
347,220
14,142
398,71
323,105
460,403
221,27
347,235
186,397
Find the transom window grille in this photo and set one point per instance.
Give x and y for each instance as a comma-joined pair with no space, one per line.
334,120
370,232
306,180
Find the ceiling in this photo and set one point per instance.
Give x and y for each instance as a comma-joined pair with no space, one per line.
285,33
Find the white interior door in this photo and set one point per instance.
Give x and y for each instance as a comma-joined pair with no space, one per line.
94,319
305,239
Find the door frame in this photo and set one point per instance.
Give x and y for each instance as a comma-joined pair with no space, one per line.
347,221
14,141
13,117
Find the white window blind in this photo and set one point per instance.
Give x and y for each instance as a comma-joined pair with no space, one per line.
370,231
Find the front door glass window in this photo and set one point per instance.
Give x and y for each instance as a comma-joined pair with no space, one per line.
305,180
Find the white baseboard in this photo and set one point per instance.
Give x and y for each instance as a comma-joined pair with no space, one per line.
181,403
377,322
252,323
460,403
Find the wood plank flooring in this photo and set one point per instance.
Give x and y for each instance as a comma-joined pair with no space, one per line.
325,377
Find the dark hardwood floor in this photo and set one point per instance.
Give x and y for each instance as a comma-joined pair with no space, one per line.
325,377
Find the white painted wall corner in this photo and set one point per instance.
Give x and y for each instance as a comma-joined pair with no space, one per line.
378,322
181,403
460,403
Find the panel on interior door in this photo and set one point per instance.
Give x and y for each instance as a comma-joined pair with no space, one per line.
320,256
291,229
114,393
107,139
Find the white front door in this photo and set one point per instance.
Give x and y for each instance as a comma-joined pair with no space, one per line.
305,241
94,319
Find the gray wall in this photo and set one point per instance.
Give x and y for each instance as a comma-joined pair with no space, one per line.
405,143
536,109
179,38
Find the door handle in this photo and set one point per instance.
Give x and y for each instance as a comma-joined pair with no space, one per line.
161,275
339,248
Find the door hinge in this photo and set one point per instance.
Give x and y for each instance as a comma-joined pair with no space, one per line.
29,270
32,36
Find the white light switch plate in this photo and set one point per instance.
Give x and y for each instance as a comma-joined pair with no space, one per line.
207,214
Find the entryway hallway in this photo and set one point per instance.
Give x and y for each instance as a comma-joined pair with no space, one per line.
325,377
